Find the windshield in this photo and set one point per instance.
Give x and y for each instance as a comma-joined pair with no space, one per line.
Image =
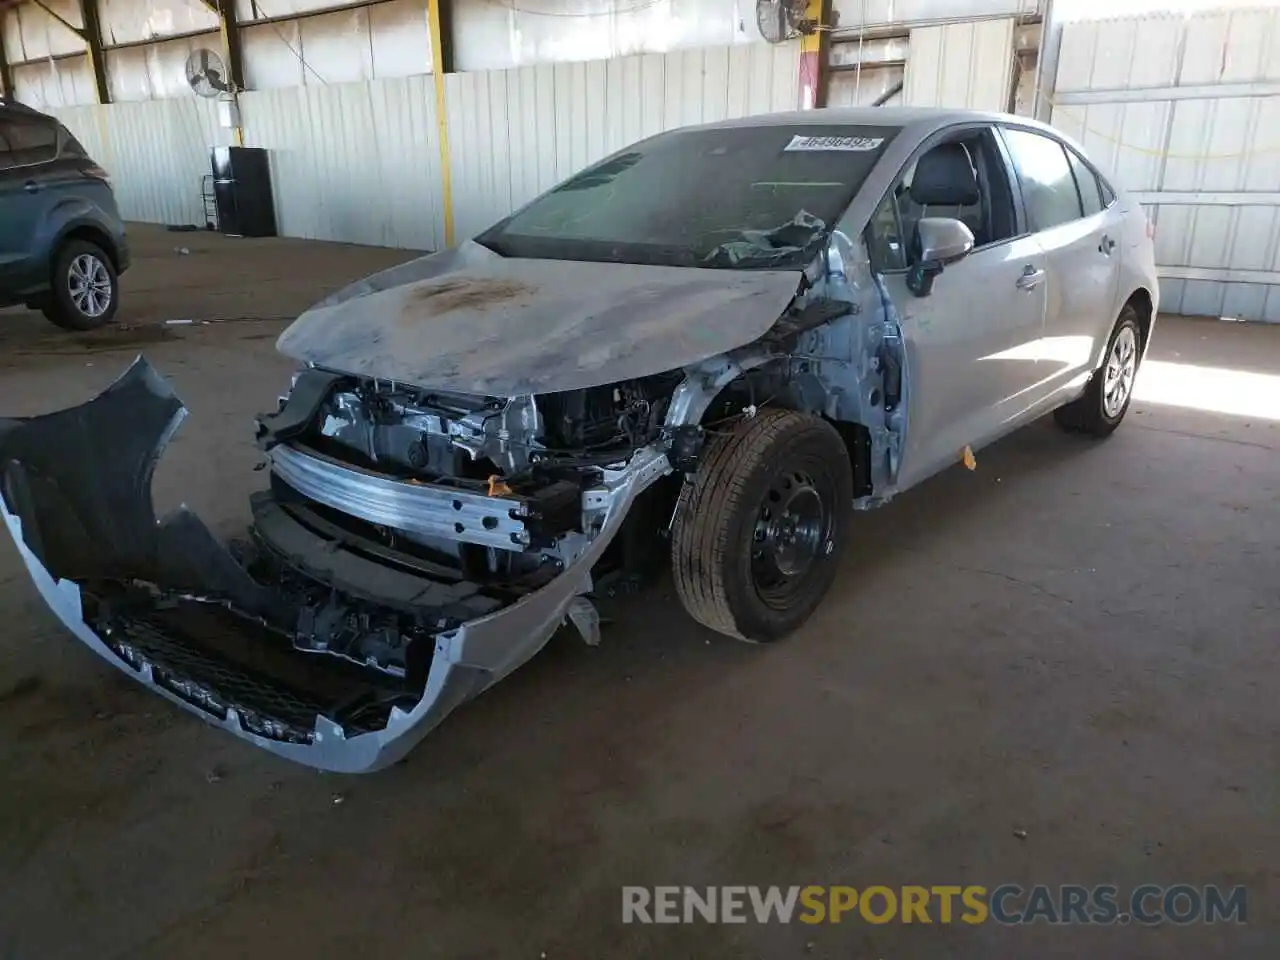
731,197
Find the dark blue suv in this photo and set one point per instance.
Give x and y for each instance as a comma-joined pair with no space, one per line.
62,243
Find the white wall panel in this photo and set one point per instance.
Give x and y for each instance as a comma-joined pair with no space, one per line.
389,39
961,65
155,71
1162,103
353,162
30,33
127,21
272,56
851,88
336,46
55,83
1127,140
156,152
514,133
400,38
249,10
855,13
497,34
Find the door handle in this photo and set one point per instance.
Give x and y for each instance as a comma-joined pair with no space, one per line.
1030,278
31,186
1107,245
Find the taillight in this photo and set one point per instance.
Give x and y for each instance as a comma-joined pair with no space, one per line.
95,172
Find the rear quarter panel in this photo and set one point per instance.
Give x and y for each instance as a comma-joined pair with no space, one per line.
1137,257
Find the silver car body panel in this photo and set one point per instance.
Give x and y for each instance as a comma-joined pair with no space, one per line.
478,323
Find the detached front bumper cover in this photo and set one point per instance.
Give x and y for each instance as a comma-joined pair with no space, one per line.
76,488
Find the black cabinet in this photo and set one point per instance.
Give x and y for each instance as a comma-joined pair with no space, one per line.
242,192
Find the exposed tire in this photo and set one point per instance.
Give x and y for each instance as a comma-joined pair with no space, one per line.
734,504
1105,401
85,291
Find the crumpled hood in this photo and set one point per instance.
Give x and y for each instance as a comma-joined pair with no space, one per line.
470,321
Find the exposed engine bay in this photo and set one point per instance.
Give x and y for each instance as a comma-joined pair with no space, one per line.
487,492
437,436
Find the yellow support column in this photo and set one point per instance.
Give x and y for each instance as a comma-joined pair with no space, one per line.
814,52
439,66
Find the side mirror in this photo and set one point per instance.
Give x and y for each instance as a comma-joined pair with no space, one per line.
941,241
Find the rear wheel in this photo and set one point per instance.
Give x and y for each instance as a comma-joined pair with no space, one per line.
760,527
86,290
1106,399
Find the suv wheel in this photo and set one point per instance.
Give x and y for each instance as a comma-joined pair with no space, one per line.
86,291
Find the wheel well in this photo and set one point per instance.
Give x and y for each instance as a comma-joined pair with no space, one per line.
94,235
1140,300
760,386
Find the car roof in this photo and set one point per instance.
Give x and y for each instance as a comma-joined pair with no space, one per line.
925,119
12,108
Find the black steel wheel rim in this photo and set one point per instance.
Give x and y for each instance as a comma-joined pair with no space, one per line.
792,534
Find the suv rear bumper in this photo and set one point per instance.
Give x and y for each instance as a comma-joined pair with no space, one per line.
124,258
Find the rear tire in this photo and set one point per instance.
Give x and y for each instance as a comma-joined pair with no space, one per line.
1106,398
760,527
86,290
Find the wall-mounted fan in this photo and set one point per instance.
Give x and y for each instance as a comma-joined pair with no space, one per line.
780,20
206,74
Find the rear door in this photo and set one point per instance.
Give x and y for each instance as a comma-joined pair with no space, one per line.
1078,233
28,148
971,343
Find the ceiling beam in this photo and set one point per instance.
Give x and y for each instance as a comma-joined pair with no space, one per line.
230,30
78,31
93,48
6,72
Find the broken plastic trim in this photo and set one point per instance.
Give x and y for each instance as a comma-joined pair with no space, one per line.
77,501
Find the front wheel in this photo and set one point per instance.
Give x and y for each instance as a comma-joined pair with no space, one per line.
86,290
1106,399
760,527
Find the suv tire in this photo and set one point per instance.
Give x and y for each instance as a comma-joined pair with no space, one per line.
86,290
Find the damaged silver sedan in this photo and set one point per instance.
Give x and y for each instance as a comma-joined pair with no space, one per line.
709,349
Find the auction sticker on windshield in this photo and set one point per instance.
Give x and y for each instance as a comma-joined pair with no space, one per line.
802,143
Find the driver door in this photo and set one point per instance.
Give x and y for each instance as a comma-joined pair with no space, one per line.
971,343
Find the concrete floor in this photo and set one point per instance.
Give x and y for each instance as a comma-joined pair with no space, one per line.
1077,640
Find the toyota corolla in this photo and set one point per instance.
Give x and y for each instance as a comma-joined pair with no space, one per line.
710,349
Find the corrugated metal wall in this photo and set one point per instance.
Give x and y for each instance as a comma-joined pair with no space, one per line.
967,65
514,133
1185,111
156,150
356,162
360,162
862,88
852,13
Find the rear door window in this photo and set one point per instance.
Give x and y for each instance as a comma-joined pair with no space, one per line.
31,142
1048,186
70,145
1087,182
